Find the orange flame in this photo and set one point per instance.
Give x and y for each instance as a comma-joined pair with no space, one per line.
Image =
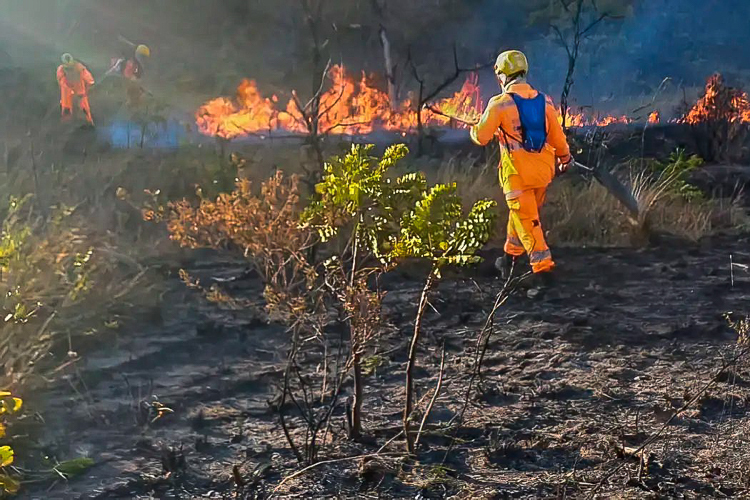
654,118
347,107
350,106
581,119
719,102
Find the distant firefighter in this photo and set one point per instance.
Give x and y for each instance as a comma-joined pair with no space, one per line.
130,66
74,80
533,147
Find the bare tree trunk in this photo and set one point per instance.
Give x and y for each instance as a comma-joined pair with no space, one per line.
285,391
572,60
573,48
420,125
567,86
313,17
390,68
356,418
411,363
425,99
356,428
435,395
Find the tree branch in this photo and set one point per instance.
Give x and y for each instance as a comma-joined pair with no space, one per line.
594,24
563,41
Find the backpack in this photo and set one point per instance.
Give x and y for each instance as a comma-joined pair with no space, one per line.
533,115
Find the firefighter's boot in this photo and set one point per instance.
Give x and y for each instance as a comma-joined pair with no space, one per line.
505,265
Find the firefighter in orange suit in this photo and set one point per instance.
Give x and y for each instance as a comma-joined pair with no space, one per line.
533,147
131,66
74,80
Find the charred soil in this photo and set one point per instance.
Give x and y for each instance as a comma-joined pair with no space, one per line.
573,381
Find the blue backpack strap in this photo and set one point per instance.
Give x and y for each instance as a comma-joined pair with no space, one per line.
533,115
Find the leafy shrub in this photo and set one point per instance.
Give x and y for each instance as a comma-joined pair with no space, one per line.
367,223
264,227
358,201
675,173
9,406
437,230
56,278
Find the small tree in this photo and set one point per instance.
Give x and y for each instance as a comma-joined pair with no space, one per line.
718,121
437,230
379,8
425,97
359,202
369,222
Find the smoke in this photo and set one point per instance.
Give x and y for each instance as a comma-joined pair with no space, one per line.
209,46
625,61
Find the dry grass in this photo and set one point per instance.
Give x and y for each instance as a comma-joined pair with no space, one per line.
584,214
476,179
59,284
72,255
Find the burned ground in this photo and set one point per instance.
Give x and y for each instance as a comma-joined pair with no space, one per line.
571,382
175,396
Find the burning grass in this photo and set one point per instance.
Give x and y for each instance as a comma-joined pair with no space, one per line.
720,121
352,106
349,106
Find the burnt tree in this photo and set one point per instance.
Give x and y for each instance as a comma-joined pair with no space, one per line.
574,23
425,96
379,8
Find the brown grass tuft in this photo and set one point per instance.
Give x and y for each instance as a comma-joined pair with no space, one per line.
582,213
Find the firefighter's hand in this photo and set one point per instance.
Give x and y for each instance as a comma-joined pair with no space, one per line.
564,164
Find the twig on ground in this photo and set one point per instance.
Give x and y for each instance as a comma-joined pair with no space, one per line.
651,439
483,340
332,461
434,397
400,433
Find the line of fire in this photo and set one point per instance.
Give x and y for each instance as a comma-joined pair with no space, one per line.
355,107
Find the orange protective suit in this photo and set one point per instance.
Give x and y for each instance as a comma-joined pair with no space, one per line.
524,175
128,68
74,82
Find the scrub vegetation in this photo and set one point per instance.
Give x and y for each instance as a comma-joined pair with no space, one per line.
332,266
233,289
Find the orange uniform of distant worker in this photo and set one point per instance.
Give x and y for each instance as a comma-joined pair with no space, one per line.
131,66
524,175
74,80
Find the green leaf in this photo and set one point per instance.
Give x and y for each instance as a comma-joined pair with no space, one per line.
6,456
9,484
74,467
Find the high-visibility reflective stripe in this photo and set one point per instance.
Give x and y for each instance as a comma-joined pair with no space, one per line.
512,240
513,194
540,256
473,136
